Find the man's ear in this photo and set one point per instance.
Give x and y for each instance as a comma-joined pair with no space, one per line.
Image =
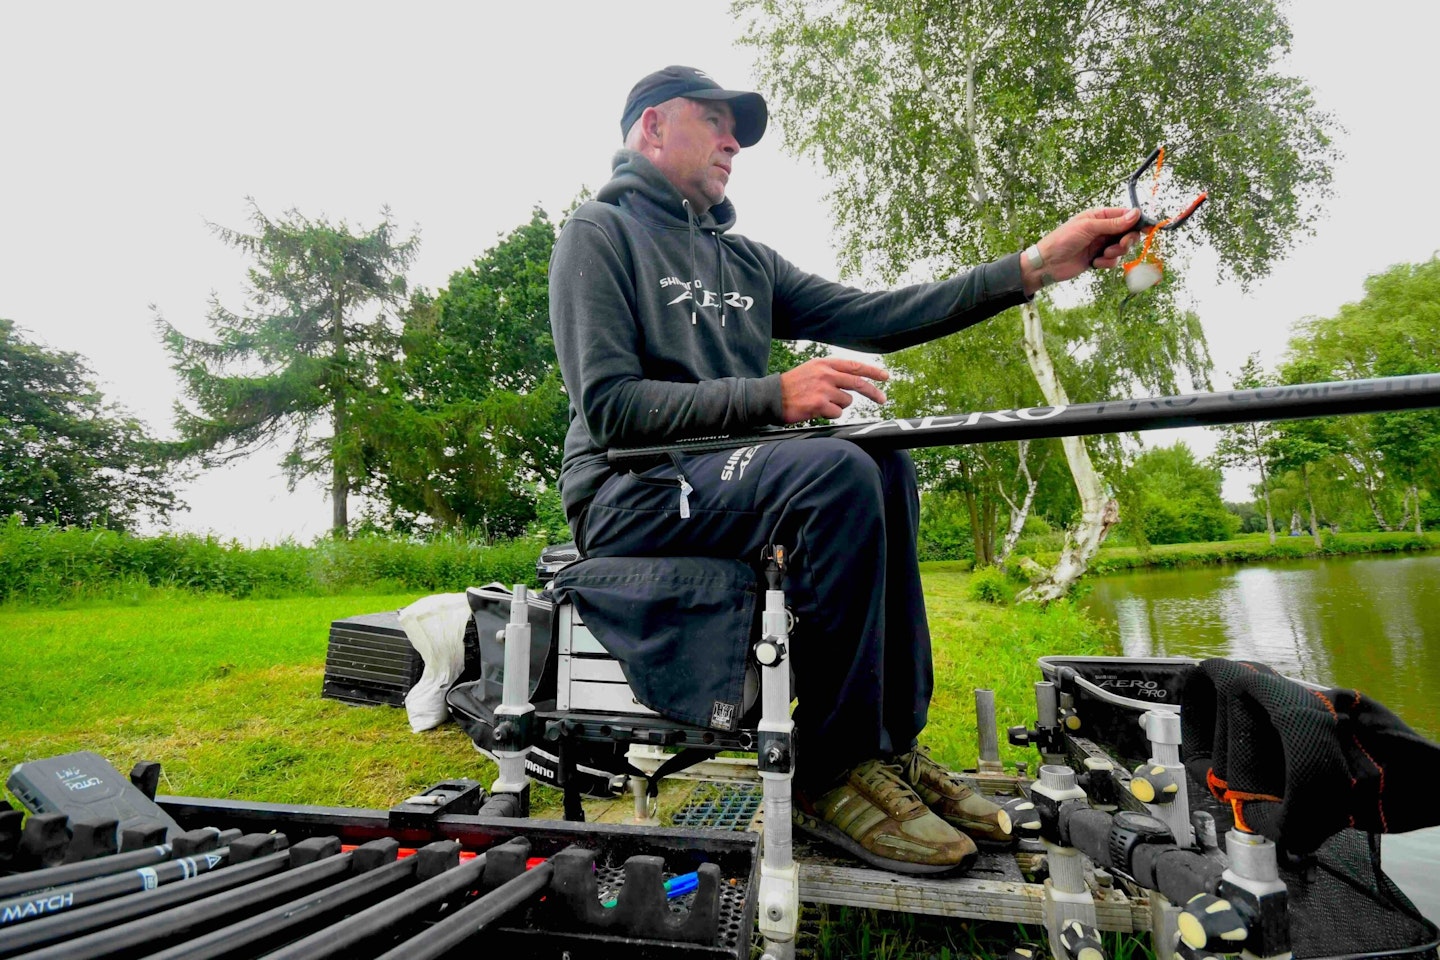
650,123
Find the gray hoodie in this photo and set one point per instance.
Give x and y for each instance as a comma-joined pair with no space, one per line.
663,321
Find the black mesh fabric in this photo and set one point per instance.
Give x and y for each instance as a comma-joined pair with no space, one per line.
1341,905
1298,765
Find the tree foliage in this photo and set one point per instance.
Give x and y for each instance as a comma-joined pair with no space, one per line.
474,415
66,455
298,361
957,133
1177,498
1393,330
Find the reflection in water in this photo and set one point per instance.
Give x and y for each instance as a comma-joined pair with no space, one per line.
1372,623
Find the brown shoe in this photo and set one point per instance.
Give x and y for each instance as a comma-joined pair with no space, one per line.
953,799
876,816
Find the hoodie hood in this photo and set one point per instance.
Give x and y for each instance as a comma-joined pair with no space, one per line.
637,185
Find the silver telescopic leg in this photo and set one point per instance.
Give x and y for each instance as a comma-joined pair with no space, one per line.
779,879
515,706
1067,897
987,732
1163,729
1047,719
1253,878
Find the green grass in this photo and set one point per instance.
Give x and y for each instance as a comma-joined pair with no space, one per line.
225,694
980,644
48,564
1252,548
844,932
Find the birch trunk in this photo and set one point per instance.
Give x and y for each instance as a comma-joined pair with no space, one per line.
1098,512
1367,483
1019,514
1309,499
1265,489
1419,527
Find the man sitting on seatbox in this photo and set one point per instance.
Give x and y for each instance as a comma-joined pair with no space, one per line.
663,320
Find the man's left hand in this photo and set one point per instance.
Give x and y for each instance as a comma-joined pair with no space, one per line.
1096,238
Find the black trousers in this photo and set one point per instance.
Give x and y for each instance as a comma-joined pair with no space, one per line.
849,520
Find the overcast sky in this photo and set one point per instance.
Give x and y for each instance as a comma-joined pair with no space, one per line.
124,127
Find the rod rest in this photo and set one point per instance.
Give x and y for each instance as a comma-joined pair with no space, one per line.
641,909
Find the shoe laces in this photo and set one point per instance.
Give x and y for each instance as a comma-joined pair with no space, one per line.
920,763
885,783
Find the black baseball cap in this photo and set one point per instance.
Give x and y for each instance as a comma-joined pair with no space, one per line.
671,82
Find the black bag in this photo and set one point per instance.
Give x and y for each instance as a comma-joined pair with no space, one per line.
601,769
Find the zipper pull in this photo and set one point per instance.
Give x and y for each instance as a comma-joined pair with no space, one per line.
685,491
692,318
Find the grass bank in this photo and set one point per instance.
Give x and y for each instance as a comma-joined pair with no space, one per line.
225,692
1251,549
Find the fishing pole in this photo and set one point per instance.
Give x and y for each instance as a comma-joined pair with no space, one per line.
1293,402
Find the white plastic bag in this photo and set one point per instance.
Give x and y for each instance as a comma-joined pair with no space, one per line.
435,626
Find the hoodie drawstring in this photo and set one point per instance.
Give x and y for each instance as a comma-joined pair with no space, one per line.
694,271
694,268
720,255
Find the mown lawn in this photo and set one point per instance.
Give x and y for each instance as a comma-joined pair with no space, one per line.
225,693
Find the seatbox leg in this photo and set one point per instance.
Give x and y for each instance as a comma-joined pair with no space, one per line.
514,718
779,914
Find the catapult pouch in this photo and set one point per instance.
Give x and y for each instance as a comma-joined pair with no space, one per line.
1298,764
681,628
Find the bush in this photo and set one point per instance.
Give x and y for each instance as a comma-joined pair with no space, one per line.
1256,548
944,527
990,585
44,564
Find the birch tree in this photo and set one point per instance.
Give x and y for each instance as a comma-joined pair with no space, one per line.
1250,444
957,132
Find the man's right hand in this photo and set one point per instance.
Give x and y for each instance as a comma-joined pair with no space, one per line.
819,387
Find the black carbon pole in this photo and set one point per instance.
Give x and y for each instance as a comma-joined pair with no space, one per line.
155,927
100,919
440,938
404,908
84,870
1295,402
306,910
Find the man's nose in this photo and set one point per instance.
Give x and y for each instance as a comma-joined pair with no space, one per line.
730,145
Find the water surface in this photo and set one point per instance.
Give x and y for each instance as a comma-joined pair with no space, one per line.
1372,623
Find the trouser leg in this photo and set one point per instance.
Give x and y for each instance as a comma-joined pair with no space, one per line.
909,671
848,521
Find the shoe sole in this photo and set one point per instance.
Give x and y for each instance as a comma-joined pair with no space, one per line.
816,827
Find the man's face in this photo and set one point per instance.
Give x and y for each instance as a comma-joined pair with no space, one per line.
697,148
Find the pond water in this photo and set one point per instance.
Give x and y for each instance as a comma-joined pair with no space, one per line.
1372,623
